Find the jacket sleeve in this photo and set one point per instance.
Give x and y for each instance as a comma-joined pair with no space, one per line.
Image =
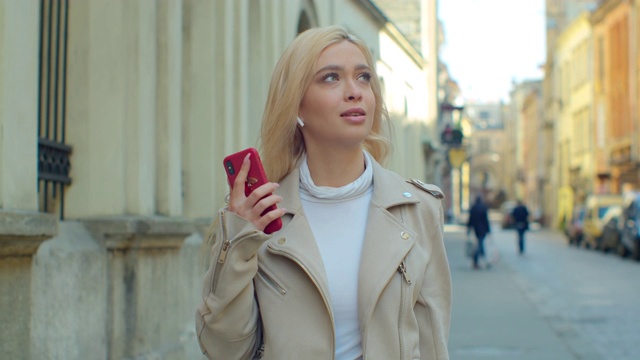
434,304
227,319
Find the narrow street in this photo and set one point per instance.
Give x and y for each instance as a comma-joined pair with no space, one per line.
555,302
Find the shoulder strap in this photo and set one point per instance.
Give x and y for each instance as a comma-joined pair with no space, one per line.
429,188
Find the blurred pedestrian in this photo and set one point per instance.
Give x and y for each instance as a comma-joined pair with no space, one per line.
359,268
479,222
520,215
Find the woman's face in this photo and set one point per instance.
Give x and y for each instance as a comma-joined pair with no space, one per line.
338,106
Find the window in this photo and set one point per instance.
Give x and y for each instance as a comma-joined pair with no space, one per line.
53,153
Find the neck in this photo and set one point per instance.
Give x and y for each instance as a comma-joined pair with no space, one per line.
335,168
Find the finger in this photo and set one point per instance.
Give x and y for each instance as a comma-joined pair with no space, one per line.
241,178
237,200
262,191
265,203
270,216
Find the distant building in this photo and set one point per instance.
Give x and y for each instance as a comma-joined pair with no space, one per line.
487,144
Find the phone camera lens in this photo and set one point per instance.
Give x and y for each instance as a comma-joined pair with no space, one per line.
230,168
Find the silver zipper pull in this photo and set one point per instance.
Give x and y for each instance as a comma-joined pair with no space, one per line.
223,252
260,352
402,269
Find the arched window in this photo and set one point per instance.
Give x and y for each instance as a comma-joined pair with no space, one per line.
303,22
308,17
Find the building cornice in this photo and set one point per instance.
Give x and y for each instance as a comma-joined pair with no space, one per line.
604,9
390,28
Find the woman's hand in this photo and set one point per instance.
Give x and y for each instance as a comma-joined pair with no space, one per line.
251,207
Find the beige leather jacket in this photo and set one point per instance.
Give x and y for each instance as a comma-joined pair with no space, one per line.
276,305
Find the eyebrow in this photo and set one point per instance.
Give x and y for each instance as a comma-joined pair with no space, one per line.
341,68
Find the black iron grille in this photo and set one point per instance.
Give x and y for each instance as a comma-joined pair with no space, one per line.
53,154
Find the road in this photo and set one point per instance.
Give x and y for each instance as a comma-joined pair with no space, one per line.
555,302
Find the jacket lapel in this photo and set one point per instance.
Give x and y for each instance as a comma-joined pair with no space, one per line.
387,240
296,240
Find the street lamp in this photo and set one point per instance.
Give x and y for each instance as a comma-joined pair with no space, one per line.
452,136
452,140
457,156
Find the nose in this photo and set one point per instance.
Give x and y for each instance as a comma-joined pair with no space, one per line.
353,91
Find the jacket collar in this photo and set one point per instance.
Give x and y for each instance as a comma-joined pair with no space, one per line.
389,189
387,239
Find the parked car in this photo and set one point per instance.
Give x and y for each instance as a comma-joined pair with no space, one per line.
630,238
573,228
596,207
612,230
507,220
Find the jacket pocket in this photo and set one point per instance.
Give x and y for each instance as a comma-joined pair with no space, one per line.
271,282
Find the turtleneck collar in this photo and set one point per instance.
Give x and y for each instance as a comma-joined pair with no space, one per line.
361,185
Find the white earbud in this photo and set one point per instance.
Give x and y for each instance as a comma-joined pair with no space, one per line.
300,122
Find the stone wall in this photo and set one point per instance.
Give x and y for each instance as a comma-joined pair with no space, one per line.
111,288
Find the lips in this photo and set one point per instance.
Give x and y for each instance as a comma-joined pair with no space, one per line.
354,116
353,112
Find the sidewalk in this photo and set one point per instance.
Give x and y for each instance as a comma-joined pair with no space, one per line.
491,317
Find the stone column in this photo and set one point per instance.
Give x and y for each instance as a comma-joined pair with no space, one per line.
150,297
22,228
140,77
19,24
204,181
97,110
169,108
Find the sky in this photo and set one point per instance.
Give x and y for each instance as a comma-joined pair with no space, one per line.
490,43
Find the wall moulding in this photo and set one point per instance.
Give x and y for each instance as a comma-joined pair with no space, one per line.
134,232
22,232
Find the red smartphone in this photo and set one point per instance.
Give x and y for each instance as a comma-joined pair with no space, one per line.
255,178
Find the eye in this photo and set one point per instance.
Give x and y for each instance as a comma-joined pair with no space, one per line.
366,76
330,77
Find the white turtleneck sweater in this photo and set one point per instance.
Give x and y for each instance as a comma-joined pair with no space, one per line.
338,219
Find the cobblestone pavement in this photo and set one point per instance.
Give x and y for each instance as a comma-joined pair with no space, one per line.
590,299
555,302
492,317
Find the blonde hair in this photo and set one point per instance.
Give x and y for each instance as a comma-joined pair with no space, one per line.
281,141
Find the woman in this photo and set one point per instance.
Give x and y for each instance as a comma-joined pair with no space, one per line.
359,268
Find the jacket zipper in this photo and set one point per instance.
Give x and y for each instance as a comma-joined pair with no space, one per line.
324,297
402,269
222,255
260,352
269,280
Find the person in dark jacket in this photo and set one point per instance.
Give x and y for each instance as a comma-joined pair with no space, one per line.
479,222
520,215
